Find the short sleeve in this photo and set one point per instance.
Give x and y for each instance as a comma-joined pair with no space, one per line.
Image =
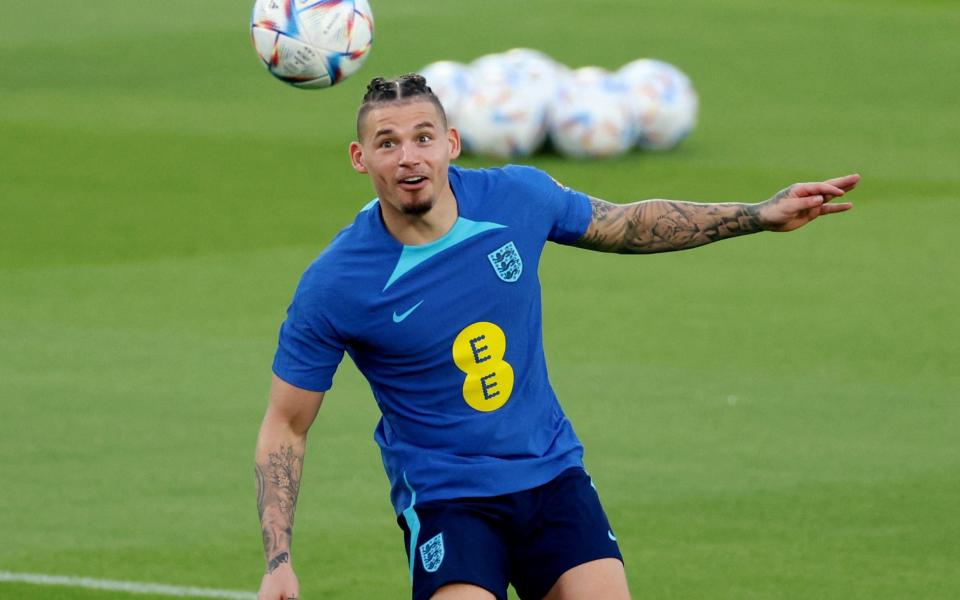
568,211
308,351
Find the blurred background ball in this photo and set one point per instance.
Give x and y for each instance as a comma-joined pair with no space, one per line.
664,100
591,115
503,113
535,68
312,43
450,82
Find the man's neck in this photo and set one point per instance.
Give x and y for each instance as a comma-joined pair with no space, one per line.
416,230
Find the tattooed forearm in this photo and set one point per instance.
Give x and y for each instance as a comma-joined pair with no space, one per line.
665,225
276,561
278,485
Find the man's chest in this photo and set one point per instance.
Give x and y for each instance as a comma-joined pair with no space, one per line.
427,299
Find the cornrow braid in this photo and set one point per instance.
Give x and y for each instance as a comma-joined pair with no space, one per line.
406,88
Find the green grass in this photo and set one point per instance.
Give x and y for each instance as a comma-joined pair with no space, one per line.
770,417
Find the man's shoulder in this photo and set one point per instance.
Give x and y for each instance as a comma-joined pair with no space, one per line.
508,185
508,173
343,255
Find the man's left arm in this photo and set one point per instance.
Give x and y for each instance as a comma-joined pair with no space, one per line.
667,225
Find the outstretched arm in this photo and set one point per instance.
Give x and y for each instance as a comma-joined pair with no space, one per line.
666,225
279,465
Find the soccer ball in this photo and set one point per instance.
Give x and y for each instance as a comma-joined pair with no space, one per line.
503,113
664,100
312,43
535,68
591,115
450,82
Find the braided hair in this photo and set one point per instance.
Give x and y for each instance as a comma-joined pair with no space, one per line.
406,88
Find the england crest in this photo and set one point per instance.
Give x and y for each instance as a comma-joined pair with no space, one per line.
506,262
431,553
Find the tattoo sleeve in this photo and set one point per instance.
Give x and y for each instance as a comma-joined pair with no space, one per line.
278,485
665,225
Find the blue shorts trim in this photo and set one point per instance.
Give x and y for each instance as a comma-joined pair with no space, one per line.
527,539
413,523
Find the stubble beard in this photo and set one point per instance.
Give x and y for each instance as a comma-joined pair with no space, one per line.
418,208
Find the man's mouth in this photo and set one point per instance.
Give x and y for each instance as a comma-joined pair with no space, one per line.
413,182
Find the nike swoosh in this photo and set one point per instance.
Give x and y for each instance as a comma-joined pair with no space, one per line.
398,318
611,536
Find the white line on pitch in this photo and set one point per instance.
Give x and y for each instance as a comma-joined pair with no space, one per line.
132,587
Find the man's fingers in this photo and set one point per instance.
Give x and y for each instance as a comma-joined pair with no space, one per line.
827,209
815,188
838,186
846,183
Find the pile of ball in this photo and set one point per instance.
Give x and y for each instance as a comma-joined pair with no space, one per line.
507,105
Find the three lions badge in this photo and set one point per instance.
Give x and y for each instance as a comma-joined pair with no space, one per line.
431,553
506,262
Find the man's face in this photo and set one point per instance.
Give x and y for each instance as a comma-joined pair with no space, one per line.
406,150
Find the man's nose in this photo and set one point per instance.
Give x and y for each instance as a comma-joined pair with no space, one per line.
409,154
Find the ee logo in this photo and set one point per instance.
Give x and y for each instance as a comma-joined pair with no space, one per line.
478,351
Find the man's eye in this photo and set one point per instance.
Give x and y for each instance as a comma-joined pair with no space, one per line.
425,138
386,144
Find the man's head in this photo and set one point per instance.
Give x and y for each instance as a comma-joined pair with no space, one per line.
406,88
404,144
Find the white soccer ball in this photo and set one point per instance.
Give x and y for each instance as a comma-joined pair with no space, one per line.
591,115
535,67
312,43
450,82
503,113
665,102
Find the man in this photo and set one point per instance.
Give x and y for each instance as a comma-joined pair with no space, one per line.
433,292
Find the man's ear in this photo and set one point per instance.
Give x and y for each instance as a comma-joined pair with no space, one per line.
356,157
453,138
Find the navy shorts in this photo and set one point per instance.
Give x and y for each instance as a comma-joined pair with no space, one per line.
528,539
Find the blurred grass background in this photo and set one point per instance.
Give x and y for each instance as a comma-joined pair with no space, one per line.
770,417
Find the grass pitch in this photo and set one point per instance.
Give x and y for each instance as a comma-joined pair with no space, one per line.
769,417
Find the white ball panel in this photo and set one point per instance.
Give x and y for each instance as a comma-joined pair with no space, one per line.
271,13
264,41
314,84
361,35
299,61
326,26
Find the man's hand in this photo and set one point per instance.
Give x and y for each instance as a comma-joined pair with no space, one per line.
801,203
280,584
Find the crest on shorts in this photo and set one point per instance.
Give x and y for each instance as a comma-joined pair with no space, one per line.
431,553
506,262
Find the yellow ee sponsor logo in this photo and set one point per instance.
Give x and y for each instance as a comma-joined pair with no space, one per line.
478,351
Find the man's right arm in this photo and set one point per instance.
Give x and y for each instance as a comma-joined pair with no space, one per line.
667,225
279,465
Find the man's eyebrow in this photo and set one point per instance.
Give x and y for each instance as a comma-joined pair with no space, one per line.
391,131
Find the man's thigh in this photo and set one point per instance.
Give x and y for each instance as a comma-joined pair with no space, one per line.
569,533
604,578
462,591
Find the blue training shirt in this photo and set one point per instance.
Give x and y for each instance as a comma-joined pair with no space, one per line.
448,334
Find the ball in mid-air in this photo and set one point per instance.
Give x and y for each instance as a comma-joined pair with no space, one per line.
312,43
